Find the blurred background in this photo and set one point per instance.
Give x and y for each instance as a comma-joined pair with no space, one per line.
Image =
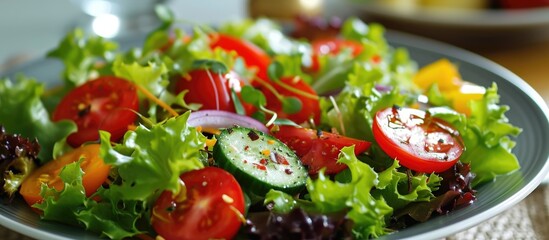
513,33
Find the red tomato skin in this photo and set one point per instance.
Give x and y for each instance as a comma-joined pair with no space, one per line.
253,56
331,46
208,210
419,142
212,90
107,103
319,150
310,107
208,88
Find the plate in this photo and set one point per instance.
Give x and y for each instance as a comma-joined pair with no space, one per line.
466,27
528,111
471,18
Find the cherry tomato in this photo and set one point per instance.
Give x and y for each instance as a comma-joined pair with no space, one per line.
211,207
420,142
318,149
107,103
95,173
253,56
331,46
210,89
310,107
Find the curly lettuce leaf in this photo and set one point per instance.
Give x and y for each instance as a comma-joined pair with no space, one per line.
71,206
81,54
327,196
151,159
147,162
487,137
62,206
115,222
489,148
150,77
358,102
23,112
399,189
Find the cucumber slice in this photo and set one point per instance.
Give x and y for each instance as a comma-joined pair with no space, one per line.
258,161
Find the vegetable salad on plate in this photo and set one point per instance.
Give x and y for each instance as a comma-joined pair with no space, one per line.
249,130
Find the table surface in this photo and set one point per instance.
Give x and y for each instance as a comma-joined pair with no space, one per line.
527,220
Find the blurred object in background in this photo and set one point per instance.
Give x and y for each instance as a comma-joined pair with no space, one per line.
410,5
309,19
465,4
118,18
285,10
471,24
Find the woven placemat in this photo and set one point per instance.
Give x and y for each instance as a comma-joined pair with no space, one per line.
527,220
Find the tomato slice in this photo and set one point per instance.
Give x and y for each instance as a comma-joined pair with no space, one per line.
211,209
253,56
318,149
95,173
107,103
418,141
310,106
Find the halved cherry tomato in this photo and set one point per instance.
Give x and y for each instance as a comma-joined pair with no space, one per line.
418,141
310,106
318,149
107,103
332,46
210,206
253,56
95,173
210,89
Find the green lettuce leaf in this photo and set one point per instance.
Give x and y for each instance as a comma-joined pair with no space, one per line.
399,189
372,35
147,162
62,206
151,77
23,112
487,136
81,54
71,206
327,196
358,102
151,159
489,148
367,212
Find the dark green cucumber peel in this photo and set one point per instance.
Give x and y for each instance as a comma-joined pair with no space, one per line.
258,161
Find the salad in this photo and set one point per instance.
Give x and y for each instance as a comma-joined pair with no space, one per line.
249,131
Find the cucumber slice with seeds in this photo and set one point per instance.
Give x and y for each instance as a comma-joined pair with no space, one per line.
260,162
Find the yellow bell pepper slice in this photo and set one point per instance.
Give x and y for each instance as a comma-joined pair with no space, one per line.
442,72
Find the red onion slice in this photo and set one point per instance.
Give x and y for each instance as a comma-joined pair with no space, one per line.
223,119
